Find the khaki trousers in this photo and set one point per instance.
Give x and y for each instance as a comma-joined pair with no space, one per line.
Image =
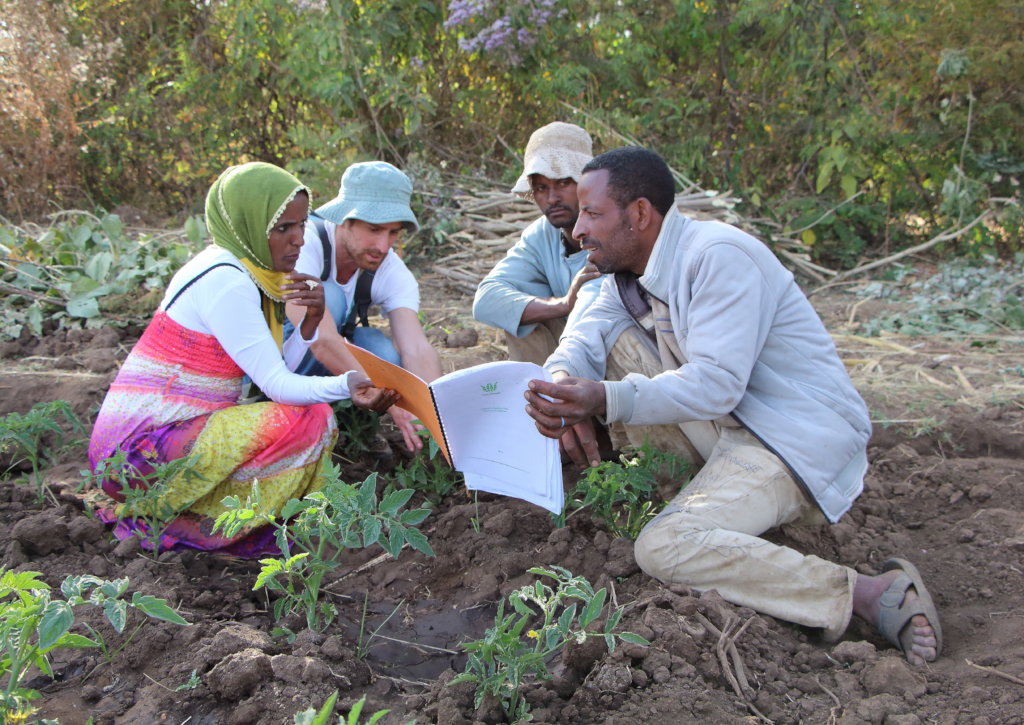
538,345
707,537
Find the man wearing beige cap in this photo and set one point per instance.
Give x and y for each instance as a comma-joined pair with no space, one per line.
544,282
349,246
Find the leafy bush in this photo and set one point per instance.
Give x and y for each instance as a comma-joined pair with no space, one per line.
619,493
145,500
33,624
319,529
87,270
802,100
428,473
964,298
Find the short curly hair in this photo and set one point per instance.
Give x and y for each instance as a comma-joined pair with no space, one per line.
635,172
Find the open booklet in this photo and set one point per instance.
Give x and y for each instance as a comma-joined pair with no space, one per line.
478,418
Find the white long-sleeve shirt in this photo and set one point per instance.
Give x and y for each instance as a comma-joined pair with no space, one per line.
225,303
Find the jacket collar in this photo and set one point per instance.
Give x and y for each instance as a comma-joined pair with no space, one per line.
655,278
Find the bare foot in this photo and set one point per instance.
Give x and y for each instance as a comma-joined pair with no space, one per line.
917,637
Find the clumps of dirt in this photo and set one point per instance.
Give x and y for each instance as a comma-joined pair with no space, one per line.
95,350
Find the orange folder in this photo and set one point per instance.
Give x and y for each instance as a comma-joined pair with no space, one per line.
415,392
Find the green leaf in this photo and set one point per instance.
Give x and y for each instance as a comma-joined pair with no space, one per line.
56,621
195,229
113,588
393,543
395,500
98,267
414,517
519,605
565,620
356,711
371,531
292,507
849,185
113,227
368,493
418,541
270,570
824,176
76,641
593,608
633,638
157,608
21,580
83,307
117,613
613,620
322,716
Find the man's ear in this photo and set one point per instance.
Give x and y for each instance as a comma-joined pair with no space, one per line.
643,214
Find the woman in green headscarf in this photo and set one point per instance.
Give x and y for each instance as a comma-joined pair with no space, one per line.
178,393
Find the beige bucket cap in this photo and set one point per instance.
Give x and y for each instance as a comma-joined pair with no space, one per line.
557,151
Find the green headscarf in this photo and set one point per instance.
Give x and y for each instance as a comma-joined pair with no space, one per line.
243,205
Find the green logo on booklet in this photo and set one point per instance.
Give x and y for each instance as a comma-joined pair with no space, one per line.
490,389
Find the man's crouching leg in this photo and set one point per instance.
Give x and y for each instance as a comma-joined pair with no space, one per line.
538,345
708,538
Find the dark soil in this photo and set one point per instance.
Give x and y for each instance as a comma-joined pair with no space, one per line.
951,500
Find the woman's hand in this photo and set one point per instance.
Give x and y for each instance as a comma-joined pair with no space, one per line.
365,395
306,291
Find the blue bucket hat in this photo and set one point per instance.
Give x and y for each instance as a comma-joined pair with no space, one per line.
372,191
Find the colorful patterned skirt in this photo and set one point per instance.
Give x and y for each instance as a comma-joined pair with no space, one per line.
175,399
279,446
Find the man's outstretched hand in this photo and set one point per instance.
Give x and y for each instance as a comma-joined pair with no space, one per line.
564,410
403,419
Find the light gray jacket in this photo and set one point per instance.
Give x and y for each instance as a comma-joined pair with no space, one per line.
755,349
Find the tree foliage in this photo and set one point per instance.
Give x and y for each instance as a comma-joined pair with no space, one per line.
796,104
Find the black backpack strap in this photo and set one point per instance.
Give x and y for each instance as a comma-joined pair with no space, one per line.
321,231
634,299
360,304
196,279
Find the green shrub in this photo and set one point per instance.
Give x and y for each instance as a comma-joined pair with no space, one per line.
520,644
33,624
315,532
38,438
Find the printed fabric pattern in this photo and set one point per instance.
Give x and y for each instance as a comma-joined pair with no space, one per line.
177,396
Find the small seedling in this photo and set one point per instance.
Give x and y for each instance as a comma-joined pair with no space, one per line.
322,716
618,493
145,493
428,473
359,429
191,683
510,654
363,645
314,533
26,438
33,624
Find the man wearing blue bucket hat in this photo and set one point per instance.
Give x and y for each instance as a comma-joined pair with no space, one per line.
349,246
